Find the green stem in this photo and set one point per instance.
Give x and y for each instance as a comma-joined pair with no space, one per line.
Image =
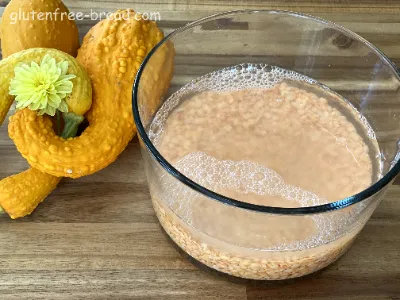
58,114
71,125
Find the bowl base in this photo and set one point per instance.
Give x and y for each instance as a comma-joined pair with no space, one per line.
235,279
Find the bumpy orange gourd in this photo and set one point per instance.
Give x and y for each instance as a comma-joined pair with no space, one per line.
37,24
111,53
18,32
21,193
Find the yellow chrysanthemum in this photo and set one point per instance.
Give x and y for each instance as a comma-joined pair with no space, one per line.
43,87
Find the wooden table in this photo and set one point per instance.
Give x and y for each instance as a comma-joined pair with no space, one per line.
98,238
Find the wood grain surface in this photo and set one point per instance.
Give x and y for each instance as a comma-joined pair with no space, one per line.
98,238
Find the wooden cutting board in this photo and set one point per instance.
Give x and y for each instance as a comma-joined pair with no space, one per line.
98,238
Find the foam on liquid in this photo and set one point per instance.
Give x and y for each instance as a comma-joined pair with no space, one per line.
244,176
240,77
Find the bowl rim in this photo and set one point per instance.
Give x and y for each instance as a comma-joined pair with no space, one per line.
339,204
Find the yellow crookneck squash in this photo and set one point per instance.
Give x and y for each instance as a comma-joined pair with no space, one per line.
21,193
111,53
37,24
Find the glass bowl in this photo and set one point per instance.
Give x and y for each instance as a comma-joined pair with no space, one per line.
234,236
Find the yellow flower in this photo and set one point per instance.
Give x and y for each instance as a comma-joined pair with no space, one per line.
42,87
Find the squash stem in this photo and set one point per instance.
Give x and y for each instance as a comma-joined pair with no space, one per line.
72,122
58,114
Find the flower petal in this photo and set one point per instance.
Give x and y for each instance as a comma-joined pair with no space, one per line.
54,100
63,106
42,87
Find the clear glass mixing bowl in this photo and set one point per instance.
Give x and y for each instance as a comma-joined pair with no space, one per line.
322,50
